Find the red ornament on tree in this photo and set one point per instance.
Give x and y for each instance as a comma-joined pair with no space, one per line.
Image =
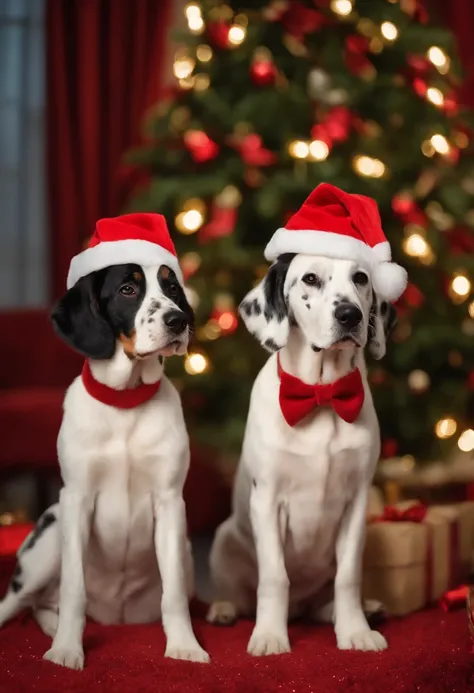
460,240
253,152
412,297
420,87
263,72
389,448
355,54
299,20
200,146
405,207
226,319
218,33
223,215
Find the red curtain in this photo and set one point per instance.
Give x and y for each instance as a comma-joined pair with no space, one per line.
458,16
104,67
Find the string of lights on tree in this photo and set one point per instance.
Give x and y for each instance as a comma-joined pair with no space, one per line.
223,30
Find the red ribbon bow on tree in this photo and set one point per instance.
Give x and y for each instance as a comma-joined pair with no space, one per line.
298,399
415,513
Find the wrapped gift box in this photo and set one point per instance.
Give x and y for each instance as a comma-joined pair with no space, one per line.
413,554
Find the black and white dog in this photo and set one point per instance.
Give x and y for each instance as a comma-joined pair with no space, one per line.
115,547
294,541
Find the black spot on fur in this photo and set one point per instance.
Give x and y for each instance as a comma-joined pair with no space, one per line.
151,320
315,348
293,283
335,303
383,308
304,297
256,307
275,305
45,521
307,306
254,483
272,345
16,583
292,320
246,307
153,307
160,358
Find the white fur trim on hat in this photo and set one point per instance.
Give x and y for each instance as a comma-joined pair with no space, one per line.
389,279
109,253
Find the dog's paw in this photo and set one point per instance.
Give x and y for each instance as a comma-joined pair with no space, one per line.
261,644
191,652
222,614
70,657
364,640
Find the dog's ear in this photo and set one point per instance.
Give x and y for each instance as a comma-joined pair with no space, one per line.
265,311
78,321
382,320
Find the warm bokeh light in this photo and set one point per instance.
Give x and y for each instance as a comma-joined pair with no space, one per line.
236,35
435,95
440,144
196,364
318,150
466,440
368,166
341,7
194,17
439,59
190,221
204,53
461,285
445,428
471,309
389,31
299,149
418,380
415,245
183,67
201,82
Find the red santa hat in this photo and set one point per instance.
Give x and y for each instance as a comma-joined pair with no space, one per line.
141,239
337,224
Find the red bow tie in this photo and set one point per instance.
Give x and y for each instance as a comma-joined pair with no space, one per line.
297,399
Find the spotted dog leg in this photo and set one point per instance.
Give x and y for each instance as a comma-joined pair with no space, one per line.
37,567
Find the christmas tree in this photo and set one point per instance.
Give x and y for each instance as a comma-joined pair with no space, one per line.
273,98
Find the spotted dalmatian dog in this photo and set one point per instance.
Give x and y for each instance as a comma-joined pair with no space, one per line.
294,541
115,548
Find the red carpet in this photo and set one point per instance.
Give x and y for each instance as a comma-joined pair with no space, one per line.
429,652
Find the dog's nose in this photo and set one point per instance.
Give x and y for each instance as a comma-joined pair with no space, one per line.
348,314
176,321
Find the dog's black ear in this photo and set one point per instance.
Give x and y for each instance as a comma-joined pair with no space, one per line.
184,305
78,321
382,320
264,310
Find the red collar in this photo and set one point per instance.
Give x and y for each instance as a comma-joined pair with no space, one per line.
122,399
298,399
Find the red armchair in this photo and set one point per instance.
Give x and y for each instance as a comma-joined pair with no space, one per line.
35,370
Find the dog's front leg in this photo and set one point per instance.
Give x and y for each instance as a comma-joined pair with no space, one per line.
270,635
75,511
352,630
170,543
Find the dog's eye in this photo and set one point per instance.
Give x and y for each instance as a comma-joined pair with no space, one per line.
312,279
360,278
127,290
173,289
